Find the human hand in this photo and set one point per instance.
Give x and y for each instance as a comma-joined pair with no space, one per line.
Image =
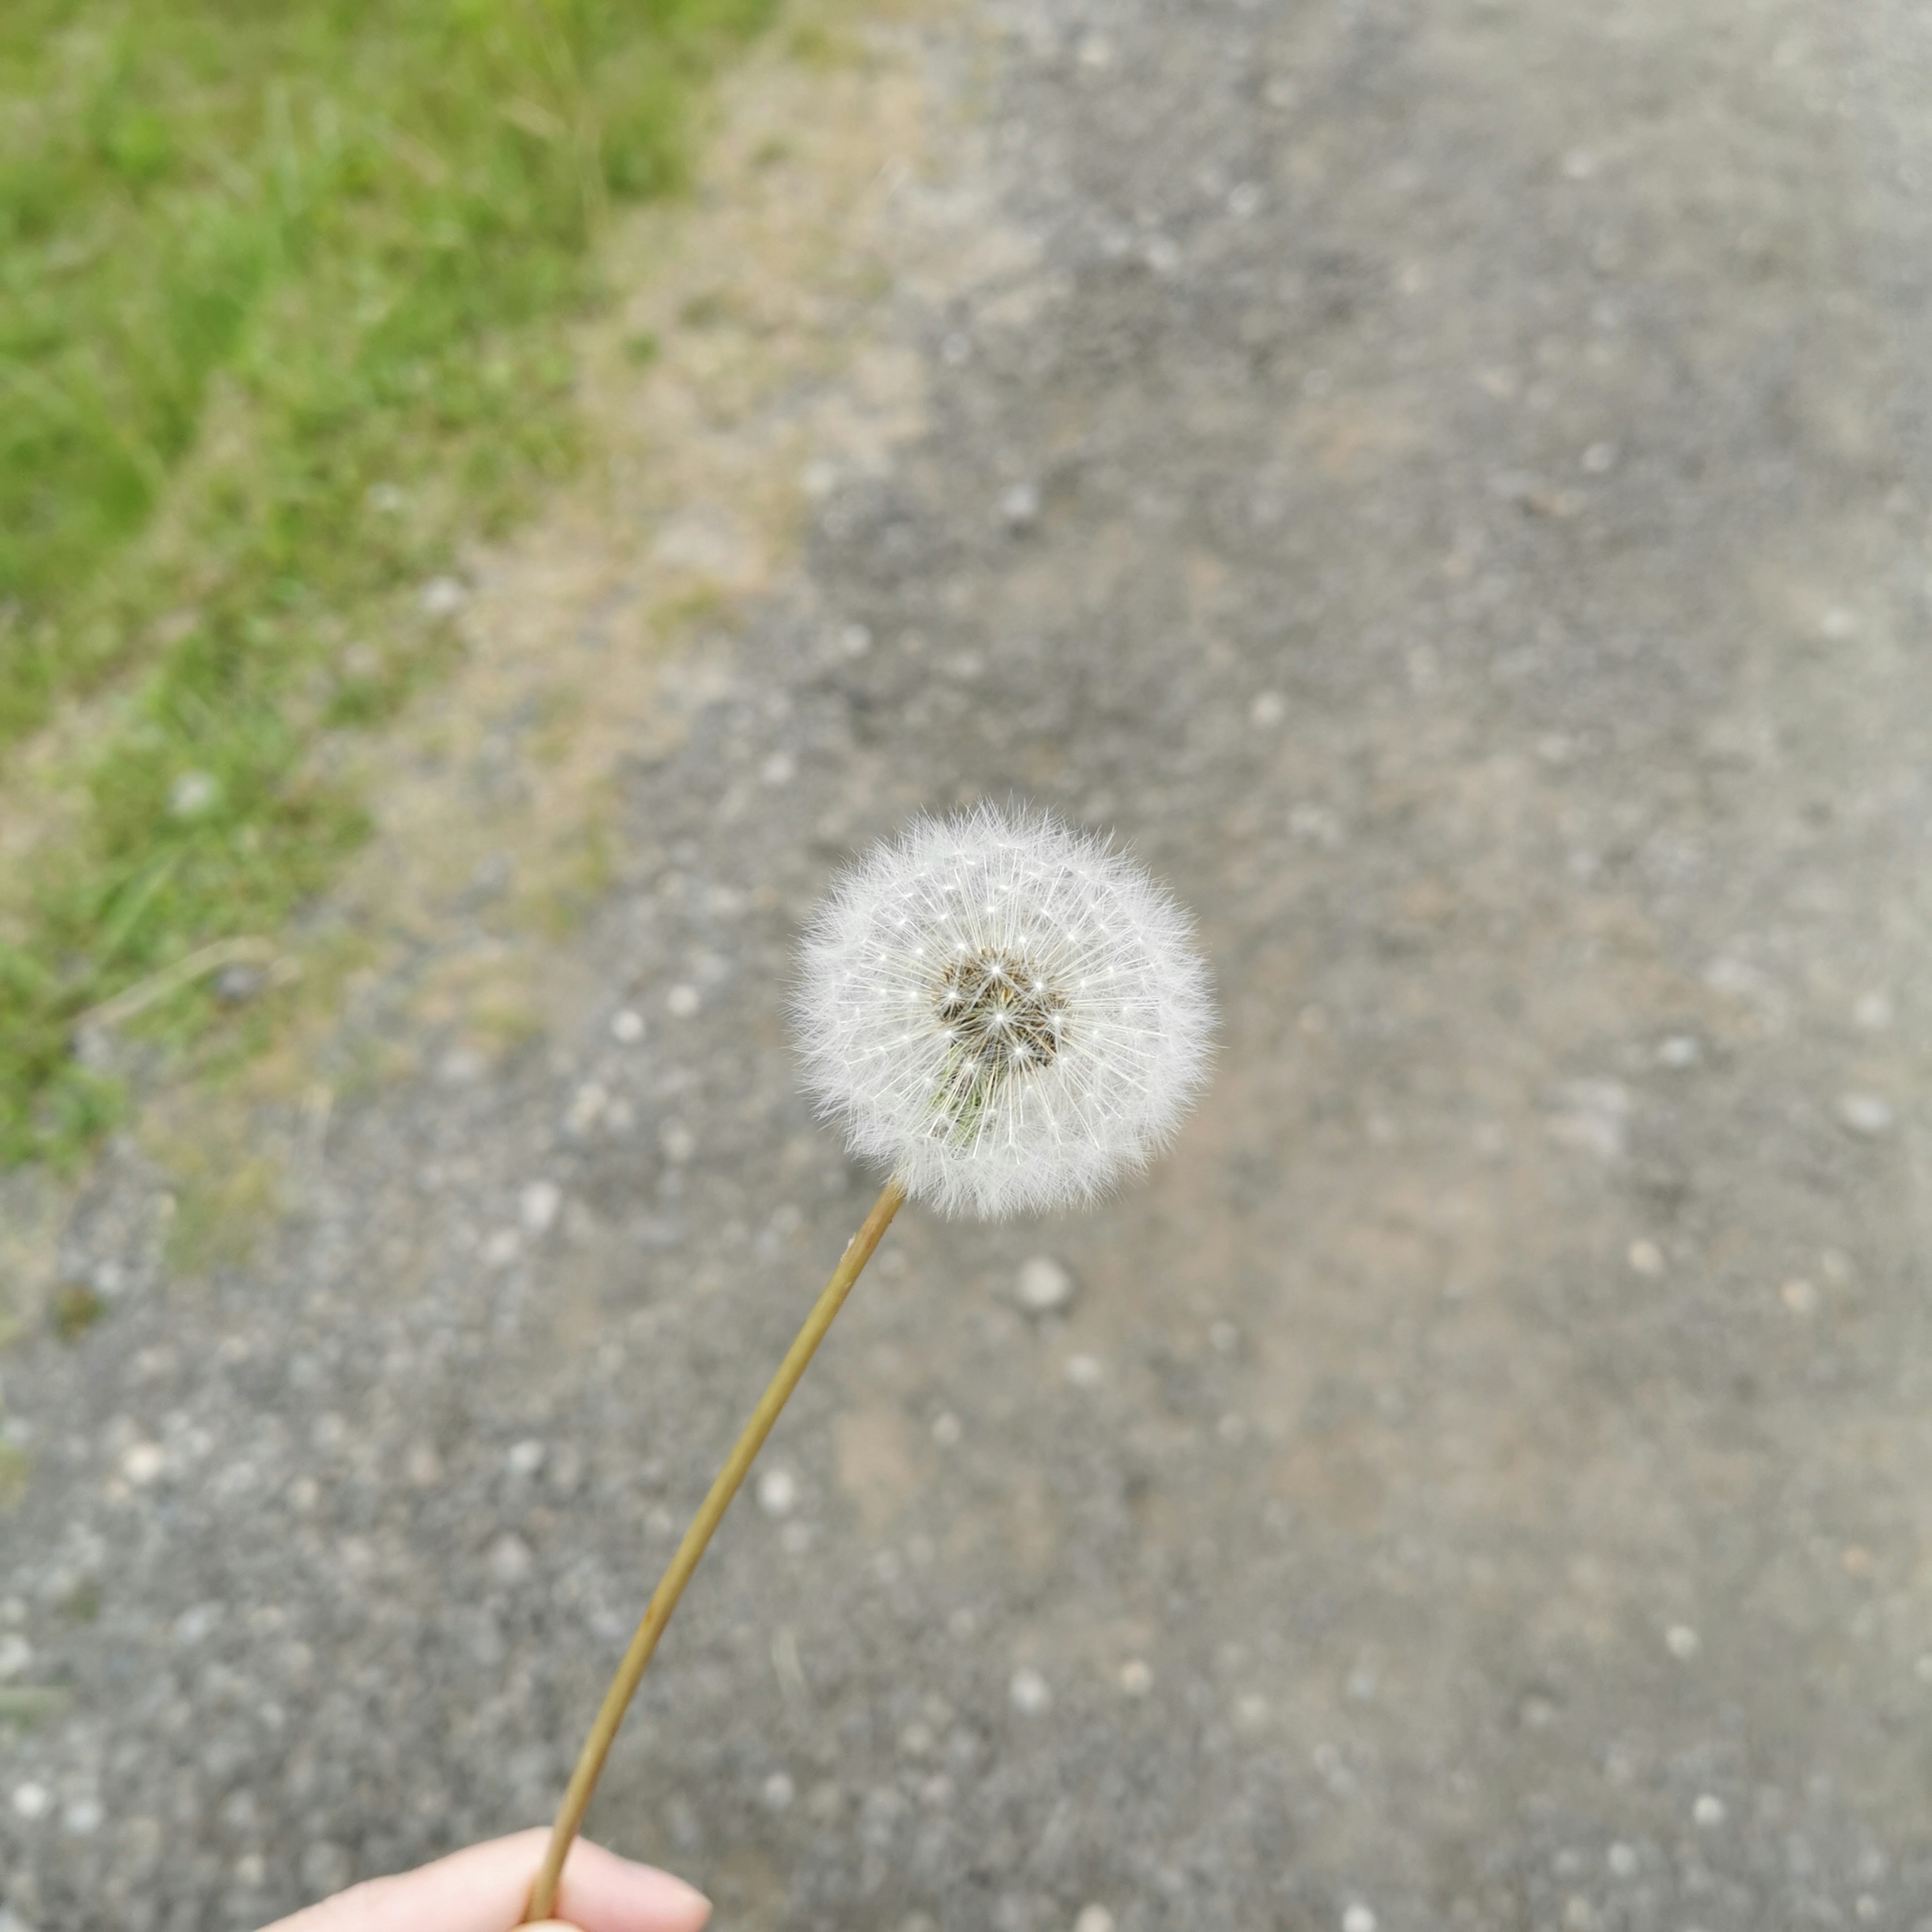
487,1888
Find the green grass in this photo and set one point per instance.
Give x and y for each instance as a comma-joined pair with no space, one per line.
283,295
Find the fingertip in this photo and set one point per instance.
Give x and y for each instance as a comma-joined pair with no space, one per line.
603,1892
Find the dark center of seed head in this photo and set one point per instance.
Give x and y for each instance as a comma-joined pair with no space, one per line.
1001,1012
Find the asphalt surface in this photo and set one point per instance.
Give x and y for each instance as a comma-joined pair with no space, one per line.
1450,483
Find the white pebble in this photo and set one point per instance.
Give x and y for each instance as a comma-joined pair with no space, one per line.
443,597
1136,1679
778,1491
946,1430
1867,1115
778,1792
142,1463
1645,1257
1622,1861
501,1248
16,1653
1084,1372
679,1143
1872,1012
510,1559
628,1026
780,769
1800,1297
1681,1641
1268,709
32,1802
526,1457
83,1817
682,1002
537,1206
193,793
1680,1050
1094,1918
1044,1285
1020,505
1709,1810
1358,1919
1029,1692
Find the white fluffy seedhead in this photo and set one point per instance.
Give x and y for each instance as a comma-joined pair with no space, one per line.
1004,1012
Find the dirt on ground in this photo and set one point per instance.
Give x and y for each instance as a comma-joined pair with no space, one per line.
1450,485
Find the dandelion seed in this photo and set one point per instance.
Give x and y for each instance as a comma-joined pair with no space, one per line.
1051,1055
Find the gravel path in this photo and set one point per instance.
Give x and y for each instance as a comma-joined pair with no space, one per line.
1450,483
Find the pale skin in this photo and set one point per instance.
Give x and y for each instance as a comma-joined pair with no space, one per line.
487,1888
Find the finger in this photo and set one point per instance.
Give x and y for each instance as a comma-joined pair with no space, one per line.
602,1892
487,1888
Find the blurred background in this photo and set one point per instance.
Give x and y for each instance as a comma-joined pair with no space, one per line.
500,501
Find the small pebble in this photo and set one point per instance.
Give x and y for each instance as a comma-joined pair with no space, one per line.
1680,1050
1872,1012
502,1248
537,1206
778,1491
946,1430
1800,1297
1622,1861
1268,709
527,1458
1709,1810
443,597
1029,1692
1084,1372
142,1464
193,793
679,1143
682,1002
628,1026
237,983
1358,1919
32,1802
83,1817
1094,1918
1867,1115
1136,1679
1645,1257
15,1655
780,769
777,1792
1044,1286
1019,506
510,1559
1681,1641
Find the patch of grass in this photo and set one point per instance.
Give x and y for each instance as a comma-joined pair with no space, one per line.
283,301
221,1207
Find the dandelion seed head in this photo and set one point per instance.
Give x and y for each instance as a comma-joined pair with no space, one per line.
1006,1012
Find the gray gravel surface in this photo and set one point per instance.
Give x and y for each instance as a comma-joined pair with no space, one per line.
1450,483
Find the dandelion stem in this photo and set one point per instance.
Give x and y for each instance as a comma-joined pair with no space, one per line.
664,1598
